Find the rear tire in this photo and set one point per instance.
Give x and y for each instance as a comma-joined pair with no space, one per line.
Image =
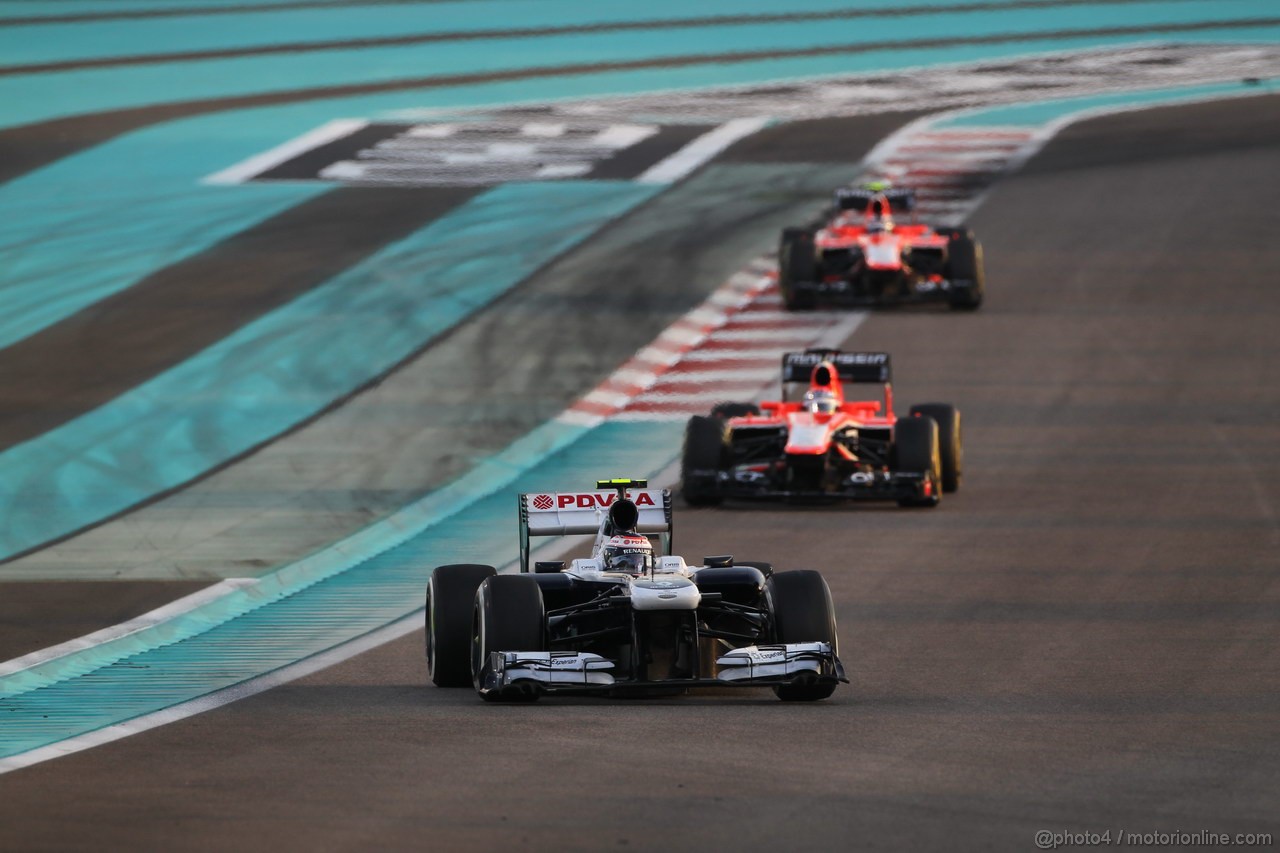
802,610
797,271
950,441
964,263
508,616
706,448
451,595
916,450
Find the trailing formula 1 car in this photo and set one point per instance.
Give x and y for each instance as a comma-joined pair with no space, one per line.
861,256
825,440
627,619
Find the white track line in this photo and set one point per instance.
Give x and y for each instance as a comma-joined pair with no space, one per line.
701,150
248,169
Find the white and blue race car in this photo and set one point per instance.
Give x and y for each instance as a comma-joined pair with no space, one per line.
629,618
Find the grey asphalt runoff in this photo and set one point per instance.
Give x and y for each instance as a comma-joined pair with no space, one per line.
1082,640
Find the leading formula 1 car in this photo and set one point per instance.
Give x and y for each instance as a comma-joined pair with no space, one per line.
626,619
862,256
825,441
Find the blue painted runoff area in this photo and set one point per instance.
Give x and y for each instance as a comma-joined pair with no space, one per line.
38,97
1045,112
290,364
54,8
193,32
335,596
579,9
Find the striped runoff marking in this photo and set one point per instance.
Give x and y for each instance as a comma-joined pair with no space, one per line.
986,82
951,169
725,349
486,153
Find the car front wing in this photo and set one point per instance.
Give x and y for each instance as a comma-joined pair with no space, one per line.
583,672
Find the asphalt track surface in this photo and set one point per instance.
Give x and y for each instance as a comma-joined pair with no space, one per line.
1081,640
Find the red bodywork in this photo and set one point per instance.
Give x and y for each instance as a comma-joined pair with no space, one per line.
883,243
810,433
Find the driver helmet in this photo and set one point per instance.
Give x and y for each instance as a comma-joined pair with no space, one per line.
878,225
821,401
627,553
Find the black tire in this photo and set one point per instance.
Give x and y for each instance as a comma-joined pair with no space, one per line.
705,454
508,616
725,411
789,234
797,271
800,604
451,595
950,441
964,263
916,450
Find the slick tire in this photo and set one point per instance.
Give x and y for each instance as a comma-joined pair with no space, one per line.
964,263
800,605
725,411
916,450
706,443
508,616
797,270
950,441
451,595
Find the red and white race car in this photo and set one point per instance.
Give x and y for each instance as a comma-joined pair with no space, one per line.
863,256
833,435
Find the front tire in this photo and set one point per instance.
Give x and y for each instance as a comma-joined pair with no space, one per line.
727,410
451,595
916,450
508,616
706,449
797,271
802,610
950,441
964,263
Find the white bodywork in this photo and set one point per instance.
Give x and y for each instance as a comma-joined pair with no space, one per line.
668,587
556,668
881,253
773,661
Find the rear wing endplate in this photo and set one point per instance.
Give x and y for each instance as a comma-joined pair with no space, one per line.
578,513
850,366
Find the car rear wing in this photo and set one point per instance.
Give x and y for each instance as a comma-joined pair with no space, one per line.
850,366
578,513
856,198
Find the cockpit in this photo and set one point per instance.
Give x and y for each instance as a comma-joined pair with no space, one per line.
820,401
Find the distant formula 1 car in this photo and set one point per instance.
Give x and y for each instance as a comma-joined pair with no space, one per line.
824,441
624,619
861,256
